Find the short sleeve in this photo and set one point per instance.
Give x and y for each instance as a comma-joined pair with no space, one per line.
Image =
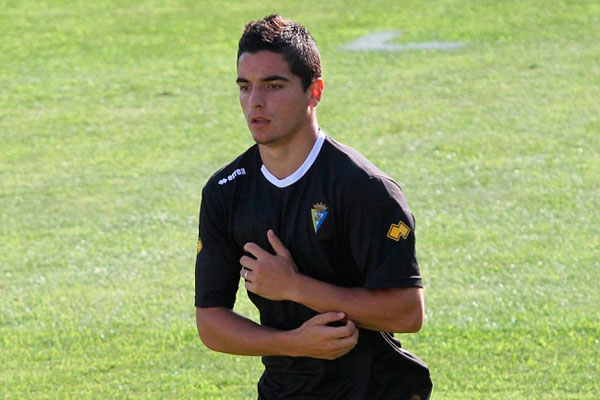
217,260
382,235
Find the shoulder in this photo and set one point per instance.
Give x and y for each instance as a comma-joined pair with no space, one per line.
350,161
223,180
356,175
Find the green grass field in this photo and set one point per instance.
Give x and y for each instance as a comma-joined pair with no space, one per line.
114,113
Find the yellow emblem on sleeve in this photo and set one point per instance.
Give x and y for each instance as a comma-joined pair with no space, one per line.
199,246
399,230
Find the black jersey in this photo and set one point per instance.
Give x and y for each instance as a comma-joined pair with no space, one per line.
344,222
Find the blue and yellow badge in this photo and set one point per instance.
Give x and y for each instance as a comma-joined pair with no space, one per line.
318,212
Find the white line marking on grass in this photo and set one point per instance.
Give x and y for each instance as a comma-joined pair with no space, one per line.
381,41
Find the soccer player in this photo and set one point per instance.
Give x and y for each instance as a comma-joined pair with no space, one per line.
323,239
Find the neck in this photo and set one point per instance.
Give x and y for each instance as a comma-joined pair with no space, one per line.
283,159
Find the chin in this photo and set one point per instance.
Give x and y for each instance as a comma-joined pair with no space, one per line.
263,138
264,141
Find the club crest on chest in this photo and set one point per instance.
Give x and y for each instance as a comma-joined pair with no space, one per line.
318,213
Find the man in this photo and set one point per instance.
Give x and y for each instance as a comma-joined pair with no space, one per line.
323,239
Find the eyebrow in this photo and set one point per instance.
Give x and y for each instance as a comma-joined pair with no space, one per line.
270,78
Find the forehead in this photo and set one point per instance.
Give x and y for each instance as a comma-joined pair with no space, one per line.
263,64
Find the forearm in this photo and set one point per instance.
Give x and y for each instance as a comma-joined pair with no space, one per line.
389,310
223,330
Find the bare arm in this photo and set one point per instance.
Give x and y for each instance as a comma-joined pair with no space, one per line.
276,277
390,310
223,330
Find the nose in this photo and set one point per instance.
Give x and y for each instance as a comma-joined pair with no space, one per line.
257,98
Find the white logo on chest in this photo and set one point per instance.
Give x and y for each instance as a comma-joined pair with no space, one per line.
235,174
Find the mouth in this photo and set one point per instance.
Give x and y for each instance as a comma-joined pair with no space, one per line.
259,120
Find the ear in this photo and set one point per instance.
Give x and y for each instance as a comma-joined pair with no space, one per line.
316,91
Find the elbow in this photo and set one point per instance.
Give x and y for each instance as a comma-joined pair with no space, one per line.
409,323
209,343
416,318
203,334
417,315
415,323
206,334
410,315
205,338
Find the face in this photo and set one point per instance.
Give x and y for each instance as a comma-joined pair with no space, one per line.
275,105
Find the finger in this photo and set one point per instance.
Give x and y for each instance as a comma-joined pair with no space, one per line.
256,250
276,243
325,318
355,335
245,273
347,330
248,262
349,327
349,341
345,345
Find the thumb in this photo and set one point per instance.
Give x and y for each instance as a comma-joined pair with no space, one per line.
326,318
276,243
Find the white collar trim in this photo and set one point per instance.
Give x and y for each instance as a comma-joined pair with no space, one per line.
301,171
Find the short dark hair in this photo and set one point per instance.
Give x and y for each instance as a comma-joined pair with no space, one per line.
281,35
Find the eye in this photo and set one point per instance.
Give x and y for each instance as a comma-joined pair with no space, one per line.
244,88
274,86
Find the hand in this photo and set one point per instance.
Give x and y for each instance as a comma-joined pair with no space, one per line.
316,339
269,275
